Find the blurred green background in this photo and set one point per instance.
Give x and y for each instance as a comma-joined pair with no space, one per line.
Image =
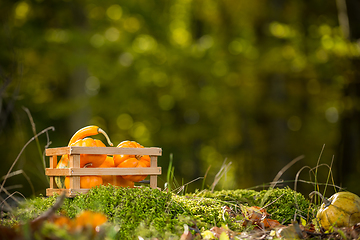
255,83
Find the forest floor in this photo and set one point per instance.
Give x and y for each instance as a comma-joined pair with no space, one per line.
108,212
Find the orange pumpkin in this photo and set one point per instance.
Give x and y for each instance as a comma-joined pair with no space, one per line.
93,160
85,159
119,181
89,218
108,163
86,181
112,179
84,221
130,144
80,139
62,221
132,161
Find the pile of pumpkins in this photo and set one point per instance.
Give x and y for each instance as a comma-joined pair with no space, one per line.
81,139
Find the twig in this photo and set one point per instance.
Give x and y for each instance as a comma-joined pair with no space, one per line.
330,174
322,150
22,150
11,196
24,174
37,222
272,201
33,126
206,173
286,167
182,186
218,176
278,175
15,186
331,185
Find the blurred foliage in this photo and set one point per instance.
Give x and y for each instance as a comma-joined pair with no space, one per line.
255,82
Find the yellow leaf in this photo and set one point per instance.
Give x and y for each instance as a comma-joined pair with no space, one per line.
303,221
207,235
224,236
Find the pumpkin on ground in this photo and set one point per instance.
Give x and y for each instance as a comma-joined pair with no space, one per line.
84,221
341,210
80,138
132,161
89,218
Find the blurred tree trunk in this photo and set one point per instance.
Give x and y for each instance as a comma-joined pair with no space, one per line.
349,164
275,97
81,112
77,93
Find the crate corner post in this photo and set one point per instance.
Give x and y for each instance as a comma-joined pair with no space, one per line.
153,178
74,180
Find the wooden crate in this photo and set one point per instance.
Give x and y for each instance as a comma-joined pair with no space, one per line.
74,171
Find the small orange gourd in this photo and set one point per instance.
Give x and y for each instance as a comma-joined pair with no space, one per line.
86,181
80,138
93,160
113,179
119,181
132,161
89,219
85,221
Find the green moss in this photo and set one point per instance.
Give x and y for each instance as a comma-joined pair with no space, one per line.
133,211
127,207
30,209
238,196
151,213
281,203
205,211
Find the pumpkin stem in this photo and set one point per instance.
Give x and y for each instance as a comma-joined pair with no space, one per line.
106,136
88,165
326,201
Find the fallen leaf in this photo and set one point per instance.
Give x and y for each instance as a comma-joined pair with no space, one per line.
207,235
187,234
259,217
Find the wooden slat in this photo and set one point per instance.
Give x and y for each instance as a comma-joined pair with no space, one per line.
74,170
74,163
102,171
57,172
52,164
57,151
53,161
68,192
51,192
52,182
74,192
104,150
153,179
116,171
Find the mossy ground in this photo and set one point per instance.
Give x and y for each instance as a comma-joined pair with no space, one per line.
152,213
